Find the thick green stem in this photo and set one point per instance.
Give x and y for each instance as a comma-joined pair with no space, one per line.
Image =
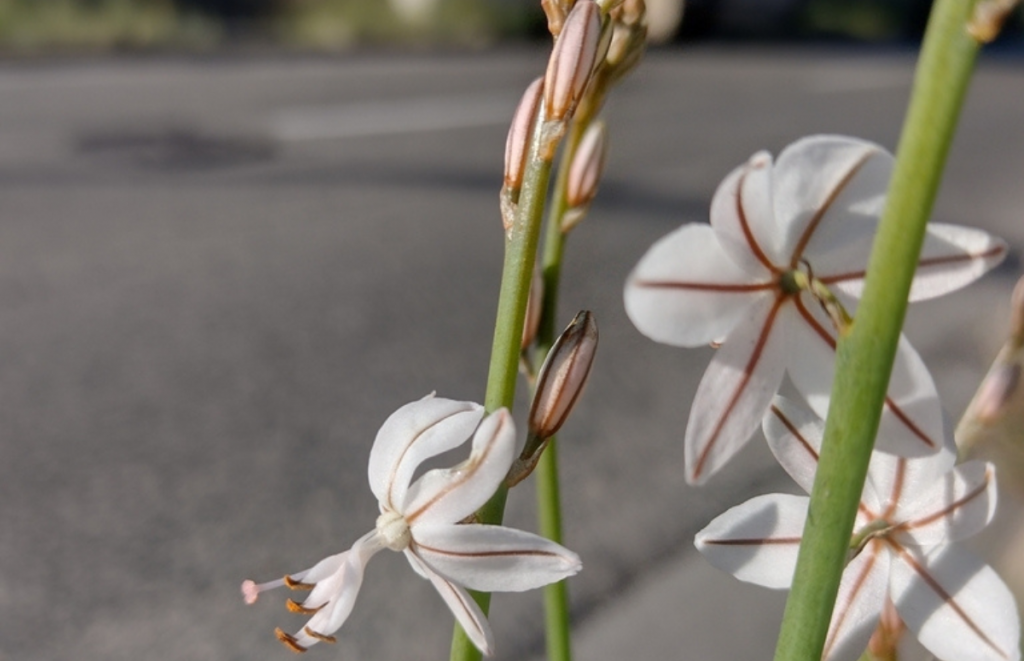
520,254
865,355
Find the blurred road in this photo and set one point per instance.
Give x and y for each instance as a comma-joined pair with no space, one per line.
219,276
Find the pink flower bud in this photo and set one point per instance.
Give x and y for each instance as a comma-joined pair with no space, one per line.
572,60
587,166
518,141
534,307
1017,314
563,375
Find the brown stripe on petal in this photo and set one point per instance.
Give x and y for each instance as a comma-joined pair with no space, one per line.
897,488
745,226
486,554
319,636
289,641
889,403
946,597
753,541
748,371
296,607
466,472
788,424
844,609
923,263
405,450
948,509
805,238
708,286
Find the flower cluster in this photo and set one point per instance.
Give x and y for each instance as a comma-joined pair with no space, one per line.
772,282
422,518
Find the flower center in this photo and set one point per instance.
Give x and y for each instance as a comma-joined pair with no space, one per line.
394,531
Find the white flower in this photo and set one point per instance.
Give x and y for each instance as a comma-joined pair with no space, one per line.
421,519
911,513
786,240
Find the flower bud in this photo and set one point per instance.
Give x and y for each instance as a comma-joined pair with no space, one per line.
519,133
563,375
996,391
534,307
556,11
587,166
1017,314
572,60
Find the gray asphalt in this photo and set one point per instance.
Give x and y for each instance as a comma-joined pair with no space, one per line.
218,276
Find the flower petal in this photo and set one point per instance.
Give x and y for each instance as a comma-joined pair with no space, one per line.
736,390
411,435
686,292
858,608
794,436
952,257
912,423
338,579
956,604
448,495
470,617
493,558
757,541
951,508
829,191
743,219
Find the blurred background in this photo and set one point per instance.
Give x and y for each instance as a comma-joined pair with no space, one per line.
36,26
235,235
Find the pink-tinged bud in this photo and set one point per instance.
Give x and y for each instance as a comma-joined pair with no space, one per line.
587,166
1017,314
519,133
996,391
572,60
563,375
534,307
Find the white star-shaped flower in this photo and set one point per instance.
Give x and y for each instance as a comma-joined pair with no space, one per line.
912,512
421,519
785,255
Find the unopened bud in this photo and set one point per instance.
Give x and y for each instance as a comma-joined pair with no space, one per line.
556,11
572,60
563,375
629,39
988,19
1017,314
534,307
996,392
587,166
519,133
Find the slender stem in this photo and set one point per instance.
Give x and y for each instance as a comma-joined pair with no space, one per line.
865,355
520,254
556,595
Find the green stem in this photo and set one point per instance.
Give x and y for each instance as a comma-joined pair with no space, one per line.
865,355
520,254
556,595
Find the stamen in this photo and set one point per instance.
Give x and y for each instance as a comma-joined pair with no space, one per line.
297,585
251,590
319,636
289,641
296,607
